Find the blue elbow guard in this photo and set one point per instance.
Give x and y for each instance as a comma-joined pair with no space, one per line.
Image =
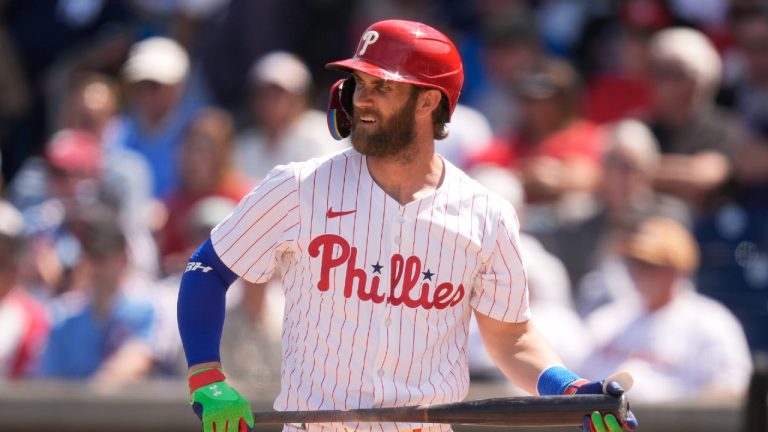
200,307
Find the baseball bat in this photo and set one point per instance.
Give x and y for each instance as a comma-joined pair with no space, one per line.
509,411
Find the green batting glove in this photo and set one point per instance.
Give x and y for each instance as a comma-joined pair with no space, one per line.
220,407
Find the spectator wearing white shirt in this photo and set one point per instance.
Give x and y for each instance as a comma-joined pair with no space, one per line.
676,343
284,128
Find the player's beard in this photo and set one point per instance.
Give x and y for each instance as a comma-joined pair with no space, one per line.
392,137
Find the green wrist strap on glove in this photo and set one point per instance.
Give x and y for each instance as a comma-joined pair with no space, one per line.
220,407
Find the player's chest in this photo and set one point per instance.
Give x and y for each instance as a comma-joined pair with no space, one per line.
423,255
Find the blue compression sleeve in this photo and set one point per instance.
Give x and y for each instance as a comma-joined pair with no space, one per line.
200,307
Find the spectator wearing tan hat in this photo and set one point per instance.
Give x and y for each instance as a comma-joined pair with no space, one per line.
160,107
625,196
283,127
676,343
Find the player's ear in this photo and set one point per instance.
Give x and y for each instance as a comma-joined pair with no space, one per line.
428,101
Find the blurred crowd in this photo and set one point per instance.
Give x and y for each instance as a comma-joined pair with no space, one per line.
631,136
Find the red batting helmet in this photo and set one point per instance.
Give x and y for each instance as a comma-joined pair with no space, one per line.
409,52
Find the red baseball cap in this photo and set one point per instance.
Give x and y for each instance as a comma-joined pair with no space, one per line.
74,150
409,52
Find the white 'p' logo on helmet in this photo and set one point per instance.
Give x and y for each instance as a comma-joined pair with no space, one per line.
369,37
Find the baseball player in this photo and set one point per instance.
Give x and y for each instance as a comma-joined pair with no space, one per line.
385,250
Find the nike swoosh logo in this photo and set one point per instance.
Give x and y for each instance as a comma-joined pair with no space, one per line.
333,214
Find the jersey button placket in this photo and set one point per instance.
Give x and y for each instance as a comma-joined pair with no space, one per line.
383,357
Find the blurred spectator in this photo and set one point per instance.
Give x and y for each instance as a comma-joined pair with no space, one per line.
204,165
53,41
468,133
48,188
625,196
15,96
550,290
315,30
678,344
103,331
23,320
91,106
426,11
70,170
697,139
618,60
283,127
556,153
156,71
561,22
749,94
178,19
734,239
508,47
77,170
708,15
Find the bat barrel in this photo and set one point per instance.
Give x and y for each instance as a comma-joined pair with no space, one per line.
512,411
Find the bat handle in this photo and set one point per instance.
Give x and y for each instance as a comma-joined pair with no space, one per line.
623,408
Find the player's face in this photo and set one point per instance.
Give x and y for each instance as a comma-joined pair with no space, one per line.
383,121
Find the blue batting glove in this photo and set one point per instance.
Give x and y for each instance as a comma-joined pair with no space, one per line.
598,421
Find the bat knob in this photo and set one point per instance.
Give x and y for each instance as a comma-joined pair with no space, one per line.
624,379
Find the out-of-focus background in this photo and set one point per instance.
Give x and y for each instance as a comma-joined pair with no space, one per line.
631,136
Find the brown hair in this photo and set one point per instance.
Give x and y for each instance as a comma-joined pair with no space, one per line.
440,115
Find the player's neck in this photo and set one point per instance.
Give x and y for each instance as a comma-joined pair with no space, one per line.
406,180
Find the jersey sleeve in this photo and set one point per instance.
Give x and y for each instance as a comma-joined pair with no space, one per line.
500,289
262,227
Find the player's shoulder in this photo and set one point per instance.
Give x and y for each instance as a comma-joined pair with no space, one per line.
303,169
496,201
308,168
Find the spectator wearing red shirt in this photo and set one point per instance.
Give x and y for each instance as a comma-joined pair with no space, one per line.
24,322
620,86
205,171
624,91
555,151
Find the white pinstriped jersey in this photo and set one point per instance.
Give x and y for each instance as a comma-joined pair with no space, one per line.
378,294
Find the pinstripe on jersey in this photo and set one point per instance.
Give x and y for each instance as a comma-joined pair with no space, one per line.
378,294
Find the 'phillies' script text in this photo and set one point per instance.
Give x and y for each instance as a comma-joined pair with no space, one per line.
404,272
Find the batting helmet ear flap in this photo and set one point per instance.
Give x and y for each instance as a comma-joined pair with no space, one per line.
340,108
